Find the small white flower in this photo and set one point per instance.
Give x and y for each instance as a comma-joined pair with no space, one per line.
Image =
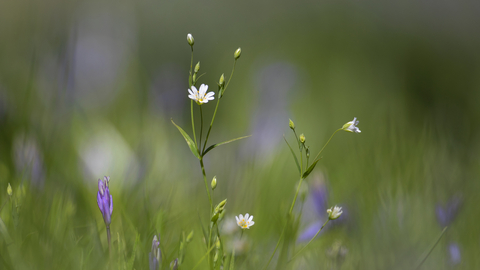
352,126
245,222
334,212
200,96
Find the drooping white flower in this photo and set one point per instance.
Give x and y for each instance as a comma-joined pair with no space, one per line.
334,212
245,222
200,96
352,126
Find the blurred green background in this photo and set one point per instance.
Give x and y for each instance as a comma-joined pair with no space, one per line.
88,88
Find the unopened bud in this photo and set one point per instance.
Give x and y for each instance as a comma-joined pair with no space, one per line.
190,40
197,67
174,264
237,53
291,124
214,183
302,138
221,82
9,190
217,244
307,152
194,78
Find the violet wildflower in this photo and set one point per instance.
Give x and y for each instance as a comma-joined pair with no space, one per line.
105,203
446,214
104,200
155,257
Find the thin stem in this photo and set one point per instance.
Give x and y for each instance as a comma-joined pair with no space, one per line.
300,251
209,243
193,123
108,238
431,249
201,259
296,194
201,129
206,184
191,68
276,247
231,74
326,144
211,124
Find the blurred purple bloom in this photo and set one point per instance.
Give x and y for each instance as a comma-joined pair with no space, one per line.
155,257
455,256
104,200
447,213
318,199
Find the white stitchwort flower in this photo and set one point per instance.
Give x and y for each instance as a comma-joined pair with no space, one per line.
245,222
200,96
334,212
352,126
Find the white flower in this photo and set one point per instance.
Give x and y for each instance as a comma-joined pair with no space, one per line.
200,96
352,126
334,212
245,222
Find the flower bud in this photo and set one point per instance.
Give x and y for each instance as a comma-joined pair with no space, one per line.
9,190
307,152
190,237
291,124
221,82
334,212
174,264
197,67
190,39
214,183
302,138
237,53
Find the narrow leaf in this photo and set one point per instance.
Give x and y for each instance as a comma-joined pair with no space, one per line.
134,252
310,169
293,154
189,141
218,144
232,261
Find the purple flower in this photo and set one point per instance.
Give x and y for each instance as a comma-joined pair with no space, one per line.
455,256
155,257
447,213
104,200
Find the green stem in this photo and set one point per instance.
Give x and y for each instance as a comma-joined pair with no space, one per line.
276,247
300,251
210,243
211,124
296,194
193,123
108,239
326,144
191,68
231,74
201,129
431,249
201,259
206,184
289,215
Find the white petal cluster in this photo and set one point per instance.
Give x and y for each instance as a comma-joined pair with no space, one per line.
334,212
200,96
245,222
352,126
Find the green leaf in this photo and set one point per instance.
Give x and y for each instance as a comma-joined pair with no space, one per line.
218,144
310,169
134,252
189,140
232,261
293,154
